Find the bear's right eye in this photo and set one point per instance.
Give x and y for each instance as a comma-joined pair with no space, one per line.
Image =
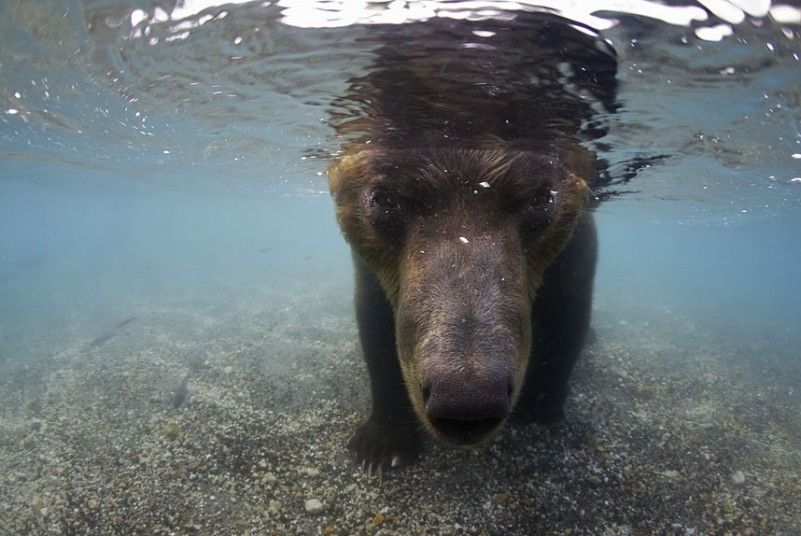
389,213
386,202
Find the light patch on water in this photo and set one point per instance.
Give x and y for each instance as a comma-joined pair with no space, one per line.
323,14
190,15
714,33
725,10
327,14
784,14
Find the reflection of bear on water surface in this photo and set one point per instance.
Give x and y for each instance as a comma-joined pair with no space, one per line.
463,192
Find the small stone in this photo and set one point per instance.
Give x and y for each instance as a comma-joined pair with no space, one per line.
500,498
194,464
313,506
228,370
269,478
171,430
36,424
273,507
738,478
310,471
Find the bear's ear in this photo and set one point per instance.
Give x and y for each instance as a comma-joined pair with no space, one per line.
578,187
347,173
573,196
581,163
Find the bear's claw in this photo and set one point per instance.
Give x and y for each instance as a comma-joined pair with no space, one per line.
378,447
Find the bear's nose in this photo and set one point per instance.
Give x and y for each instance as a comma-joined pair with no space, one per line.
467,411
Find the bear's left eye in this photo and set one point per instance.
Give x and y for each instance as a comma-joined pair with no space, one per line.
538,210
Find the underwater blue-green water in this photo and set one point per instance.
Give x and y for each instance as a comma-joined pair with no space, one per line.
149,152
162,179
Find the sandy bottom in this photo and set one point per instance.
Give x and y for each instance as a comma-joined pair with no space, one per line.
672,428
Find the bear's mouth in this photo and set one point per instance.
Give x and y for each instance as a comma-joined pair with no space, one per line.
466,431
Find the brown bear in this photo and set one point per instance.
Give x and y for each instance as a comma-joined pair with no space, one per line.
464,193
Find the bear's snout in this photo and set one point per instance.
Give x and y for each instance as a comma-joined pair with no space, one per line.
463,331
467,412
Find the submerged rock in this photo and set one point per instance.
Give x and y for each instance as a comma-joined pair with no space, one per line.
314,506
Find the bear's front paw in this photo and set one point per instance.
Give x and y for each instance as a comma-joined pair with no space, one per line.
380,445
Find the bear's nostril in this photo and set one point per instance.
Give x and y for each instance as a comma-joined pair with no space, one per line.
426,392
467,411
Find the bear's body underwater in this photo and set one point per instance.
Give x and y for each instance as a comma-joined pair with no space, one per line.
464,193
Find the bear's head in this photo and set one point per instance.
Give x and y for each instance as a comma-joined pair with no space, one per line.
460,238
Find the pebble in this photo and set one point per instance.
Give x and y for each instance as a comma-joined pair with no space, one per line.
500,498
314,506
671,474
309,471
274,507
738,478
